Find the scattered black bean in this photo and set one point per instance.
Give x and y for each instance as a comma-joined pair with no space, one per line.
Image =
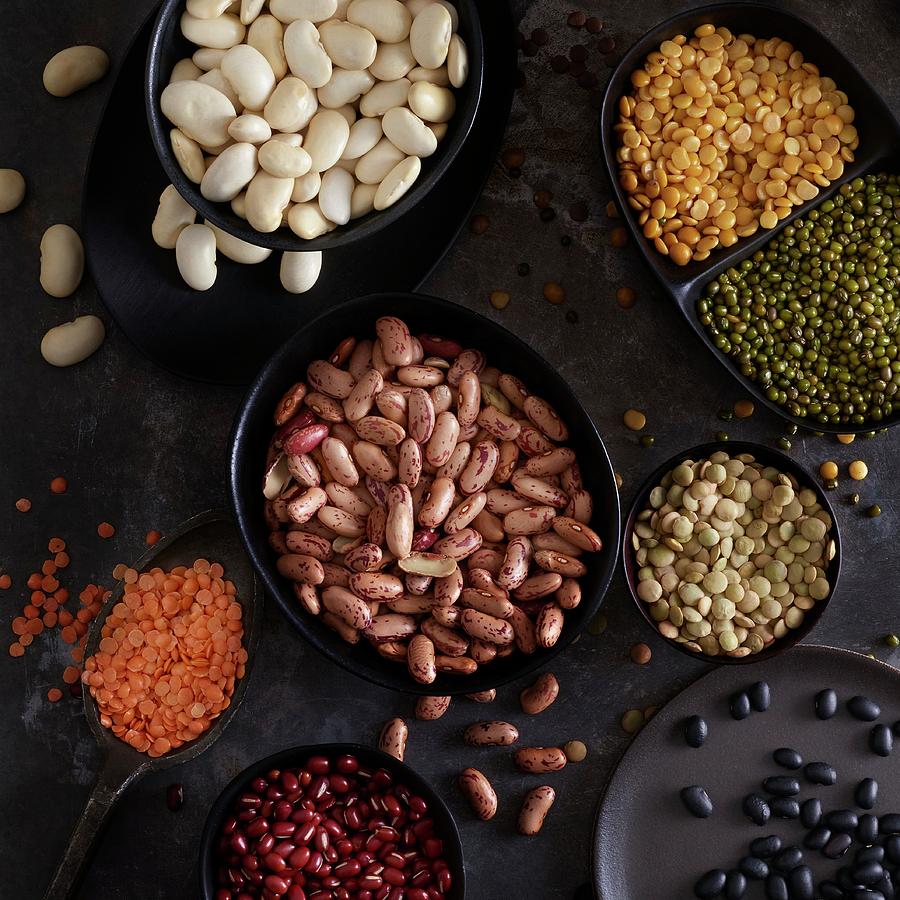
881,740
863,708
787,859
801,884
735,885
776,888
826,703
767,847
710,885
837,846
740,706
820,773
866,793
756,809
817,838
784,807
788,758
754,867
781,785
760,696
695,731
867,830
889,823
842,820
697,801
810,812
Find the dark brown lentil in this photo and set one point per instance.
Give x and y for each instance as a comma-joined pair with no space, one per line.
548,214
578,212
576,19
542,199
523,269
560,64
606,44
540,36
572,317
479,224
587,80
530,48
565,240
594,25
578,53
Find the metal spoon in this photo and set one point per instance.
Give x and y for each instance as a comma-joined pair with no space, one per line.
211,535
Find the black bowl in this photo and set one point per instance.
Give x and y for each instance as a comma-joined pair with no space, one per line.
879,143
769,457
295,757
253,430
168,45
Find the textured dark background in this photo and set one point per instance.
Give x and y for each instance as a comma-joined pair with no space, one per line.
144,449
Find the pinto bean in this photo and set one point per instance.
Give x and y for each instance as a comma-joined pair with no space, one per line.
392,738
340,522
325,407
335,575
289,405
364,558
411,605
457,462
308,545
480,468
551,561
465,513
400,521
336,623
390,627
430,708
379,430
308,597
446,615
347,606
491,734
375,525
299,567
443,439
488,696
553,462
441,398
534,809
373,461
392,650
455,665
422,376
487,558
482,652
392,405
550,540
549,624
303,440
543,693
580,507
409,462
500,425
459,545
537,489
486,602
545,417
433,565
376,586
420,659
529,520
469,398
486,628
395,341
438,503
514,569
533,442
421,415
538,586
577,533
362,397
568,594
303,508
447,589
418,585
466,361
328,379
540,759
446,640
340,462
506,464
479,793
524,631
488,525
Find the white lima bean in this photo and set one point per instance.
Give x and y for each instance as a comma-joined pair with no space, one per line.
229,173
306,221
397,182
363,200
429,36
237,250
207,9
349,46
267,35
188,154
344,87
392,61
335,195
314,10
431,102
306,57
457,61
282,160
267,198
300,271
250,75
364,135
214,78
388,20
326,138
206,58
292,105
195,253
407,132
250,128
306,187
12,189
250,10
74,68
439,76
185,70
221,33
199,110
173,215
384,96
62,260
373,167
73,342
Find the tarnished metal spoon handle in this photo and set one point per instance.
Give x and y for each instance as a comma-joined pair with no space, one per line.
115,775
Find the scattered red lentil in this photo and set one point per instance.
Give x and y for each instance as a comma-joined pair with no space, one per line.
105,530
5,582
625,297
499,299
54,695
23,504
59,485
56,545
16,649
513,157
478,224
542,199
152,538
554,293
618,237
640,654
612,211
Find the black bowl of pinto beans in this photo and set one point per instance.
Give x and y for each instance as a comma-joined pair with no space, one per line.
486,634
343,818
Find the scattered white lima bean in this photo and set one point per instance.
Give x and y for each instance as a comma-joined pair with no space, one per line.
12,189
195,253
300,271
74,68
62,260
173,215
66,345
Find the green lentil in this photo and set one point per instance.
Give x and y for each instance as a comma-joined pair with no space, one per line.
874,511
647,440
831,484
721,435
632,721
892,640
853,499
598,625
726,415
814,317
784,443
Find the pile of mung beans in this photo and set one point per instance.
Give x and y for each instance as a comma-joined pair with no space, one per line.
724,134
427,502
813,318
731,554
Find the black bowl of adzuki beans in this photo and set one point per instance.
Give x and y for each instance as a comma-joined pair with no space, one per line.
330,822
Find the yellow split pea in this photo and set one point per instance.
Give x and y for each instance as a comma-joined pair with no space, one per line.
723,134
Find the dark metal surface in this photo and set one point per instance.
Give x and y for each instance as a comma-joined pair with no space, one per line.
879,142
145,449
253,432
642,805
768,457
168,45
211,534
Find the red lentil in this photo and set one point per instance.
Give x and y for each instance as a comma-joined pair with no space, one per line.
23,504
59,485
105,530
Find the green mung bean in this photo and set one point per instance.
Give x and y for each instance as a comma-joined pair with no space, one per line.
814,318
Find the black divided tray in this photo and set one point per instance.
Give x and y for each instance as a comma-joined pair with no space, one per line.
225,334
879,142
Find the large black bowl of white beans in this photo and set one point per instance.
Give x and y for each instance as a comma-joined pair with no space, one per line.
435,513
300,125
731,552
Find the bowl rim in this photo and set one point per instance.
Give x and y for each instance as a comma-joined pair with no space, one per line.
766,456
308,628
283,239
294,756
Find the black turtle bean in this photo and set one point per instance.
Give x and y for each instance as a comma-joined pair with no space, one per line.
891,849
787,859
868,873
864,894
830,891
710,885
781,785
788,758
867,830
886,886
817,838
696,731
881,740
767,847
801,884
826,703
866,793
776,888
863,708
756,809
820,773
697,801
810,812
735,885
754,867
784,807
867,854
837,846
740,706
842,820
889,824
760,696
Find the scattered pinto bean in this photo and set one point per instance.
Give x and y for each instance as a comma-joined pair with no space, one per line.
430,708
534,810
491,734
479,792
540,759
540,695
483,696
393,737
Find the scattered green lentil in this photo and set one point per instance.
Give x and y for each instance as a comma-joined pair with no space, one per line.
874,511
721,435
575,751
791,428
813,318
784,443
853,499
726,415
598,625
632,721
647,440
892,640
831,484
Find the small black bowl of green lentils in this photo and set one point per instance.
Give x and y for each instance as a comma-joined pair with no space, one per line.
812,321
731,552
